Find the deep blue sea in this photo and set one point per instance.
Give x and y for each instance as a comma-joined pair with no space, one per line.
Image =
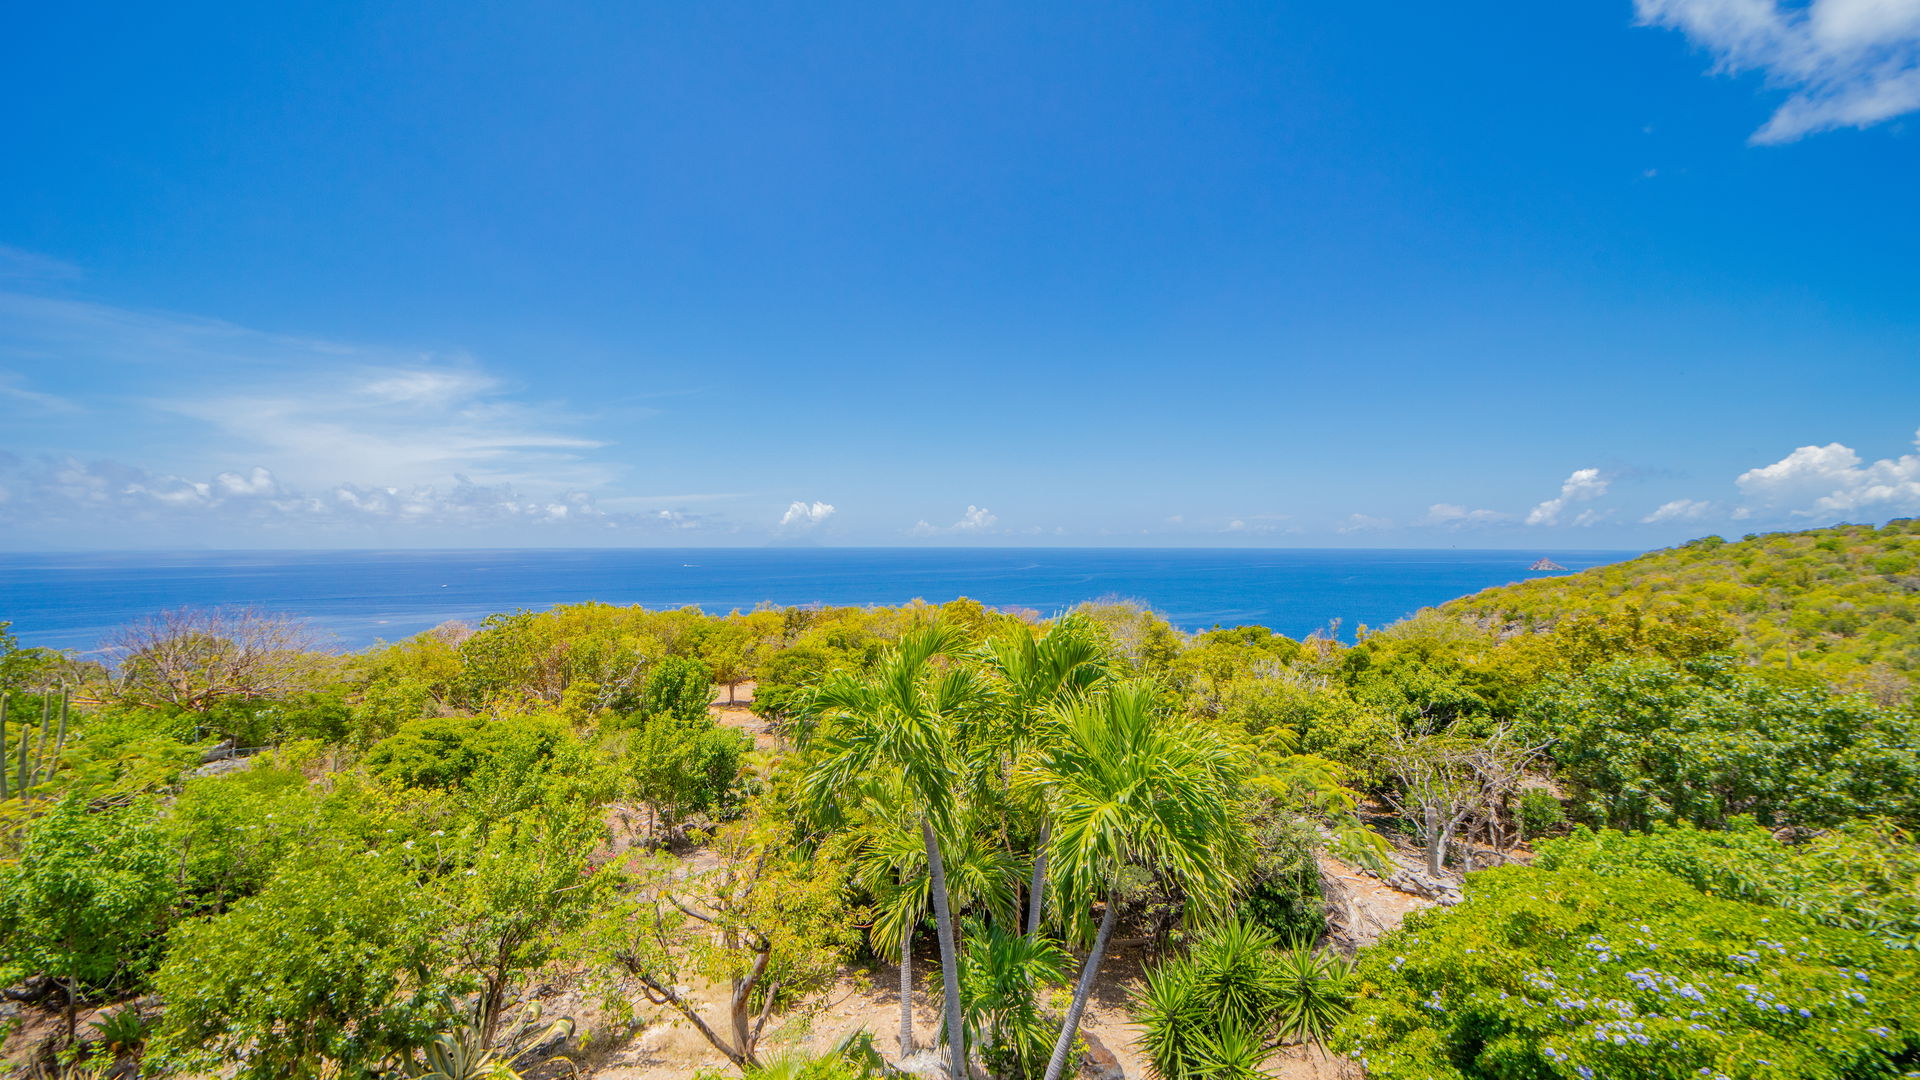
71,601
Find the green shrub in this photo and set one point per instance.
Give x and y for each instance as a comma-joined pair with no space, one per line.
336,963
1862,876
1568,973
1539,812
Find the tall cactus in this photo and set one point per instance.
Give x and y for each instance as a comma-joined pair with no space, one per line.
31,765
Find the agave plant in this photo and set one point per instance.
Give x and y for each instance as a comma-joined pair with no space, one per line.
463,1053
123,1032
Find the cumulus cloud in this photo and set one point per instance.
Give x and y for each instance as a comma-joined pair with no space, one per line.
1843,63
977,519
1833,480
805,515
1678,510
1583,485
1451,516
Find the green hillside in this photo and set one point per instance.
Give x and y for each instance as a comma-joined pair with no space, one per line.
1842,602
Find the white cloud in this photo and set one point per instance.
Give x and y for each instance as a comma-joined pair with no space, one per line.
405,426
804,515
1831,480
976,520
1581,486
1843,63
111,500
1678,510
1448,515
1355,523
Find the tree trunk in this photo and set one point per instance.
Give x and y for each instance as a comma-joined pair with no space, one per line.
1037,893
1436,843
949,954
1070,1030
906,992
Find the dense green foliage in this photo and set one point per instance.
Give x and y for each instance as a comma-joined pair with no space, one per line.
1570,973
443,830
1863,876
1841,602
1641,741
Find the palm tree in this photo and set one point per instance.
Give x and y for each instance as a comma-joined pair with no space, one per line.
1126,783
909,719
1042,674
890,862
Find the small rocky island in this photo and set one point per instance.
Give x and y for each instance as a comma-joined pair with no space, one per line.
1546,564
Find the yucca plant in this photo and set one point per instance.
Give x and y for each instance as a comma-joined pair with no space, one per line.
1231,1051
1314,993
1237,996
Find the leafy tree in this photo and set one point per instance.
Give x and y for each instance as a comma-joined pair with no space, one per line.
87,901
529,882
767,923
19,666
676,687
229,833
682,768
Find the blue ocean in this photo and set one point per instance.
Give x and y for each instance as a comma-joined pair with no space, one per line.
71,601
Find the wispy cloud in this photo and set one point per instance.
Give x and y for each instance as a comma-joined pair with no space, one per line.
1678,510
1364,523
404,426
20,264
1843,63
14,388
48,494
1452,516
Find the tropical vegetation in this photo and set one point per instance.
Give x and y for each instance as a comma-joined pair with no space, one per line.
1655,828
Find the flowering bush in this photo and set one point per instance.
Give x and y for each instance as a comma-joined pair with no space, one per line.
1546,973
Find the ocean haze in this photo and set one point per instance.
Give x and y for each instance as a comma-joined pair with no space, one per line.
72,601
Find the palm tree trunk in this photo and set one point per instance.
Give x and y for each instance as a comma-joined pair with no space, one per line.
1037,893
906,992
949,954
1070,1030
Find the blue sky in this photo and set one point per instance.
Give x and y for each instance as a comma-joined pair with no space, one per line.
1582,275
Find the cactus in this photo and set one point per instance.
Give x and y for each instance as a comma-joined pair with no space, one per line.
33,765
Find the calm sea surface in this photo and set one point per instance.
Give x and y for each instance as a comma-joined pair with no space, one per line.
71,601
